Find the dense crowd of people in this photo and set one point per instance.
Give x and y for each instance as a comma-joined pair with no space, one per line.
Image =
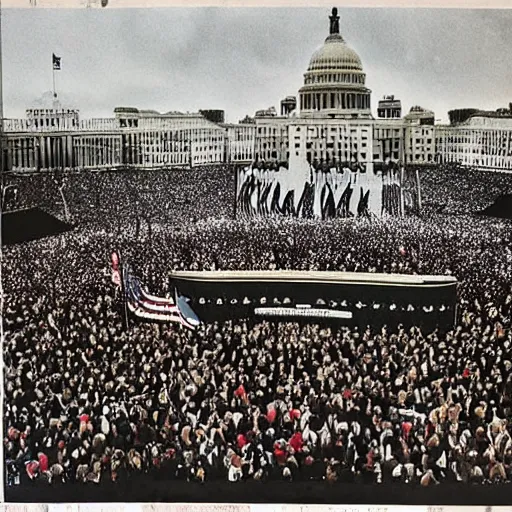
97,199
87,399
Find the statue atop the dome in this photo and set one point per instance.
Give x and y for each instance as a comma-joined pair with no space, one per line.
335,21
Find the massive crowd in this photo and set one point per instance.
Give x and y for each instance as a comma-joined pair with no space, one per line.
87,399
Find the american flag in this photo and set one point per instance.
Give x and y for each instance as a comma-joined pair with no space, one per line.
149,307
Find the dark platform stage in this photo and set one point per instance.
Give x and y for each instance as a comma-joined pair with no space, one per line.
501,208
30,224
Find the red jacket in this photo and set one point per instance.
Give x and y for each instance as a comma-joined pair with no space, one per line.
296,442
32,469
280,454
295,414
84,418
43,462
241,441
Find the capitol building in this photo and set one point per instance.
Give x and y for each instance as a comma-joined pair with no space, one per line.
329,122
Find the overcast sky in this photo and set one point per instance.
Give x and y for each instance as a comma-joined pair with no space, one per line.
242,60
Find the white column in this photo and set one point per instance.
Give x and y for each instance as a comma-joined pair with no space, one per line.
48,152
42,147
142,157
143,147
26,153
19,152
135,150
30,153
24,162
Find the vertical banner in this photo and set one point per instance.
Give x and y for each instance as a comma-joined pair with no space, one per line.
325,193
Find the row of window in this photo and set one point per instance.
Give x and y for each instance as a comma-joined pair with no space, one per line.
42,112
386,133
53,122
317,155
501,141
320,143
92,142
342,129
393,113
490,162
393,154
347,78
243,156
389,143
270,130
334,100
491,151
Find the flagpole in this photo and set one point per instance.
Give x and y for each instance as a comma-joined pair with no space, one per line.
236,192
126,311
53,71
123,288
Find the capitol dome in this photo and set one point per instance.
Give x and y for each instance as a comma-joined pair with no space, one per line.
335,55
334,83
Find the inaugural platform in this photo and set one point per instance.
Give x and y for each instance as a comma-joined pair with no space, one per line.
349,297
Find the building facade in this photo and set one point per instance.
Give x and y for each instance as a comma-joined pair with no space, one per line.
388,140
419,136
132,138
330,123
483,141
389,108
239,143
271,138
